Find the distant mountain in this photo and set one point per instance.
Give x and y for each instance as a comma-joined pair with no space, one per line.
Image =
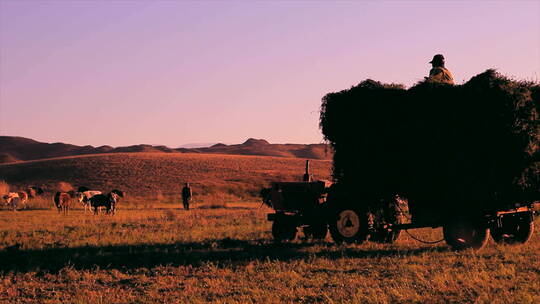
197,145
262,147
21,148
15,149
255,142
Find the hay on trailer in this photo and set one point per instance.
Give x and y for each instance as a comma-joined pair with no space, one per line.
442,146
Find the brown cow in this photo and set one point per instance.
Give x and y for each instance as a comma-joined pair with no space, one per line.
62,201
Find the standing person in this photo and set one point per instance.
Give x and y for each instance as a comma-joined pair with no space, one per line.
186,196
438,72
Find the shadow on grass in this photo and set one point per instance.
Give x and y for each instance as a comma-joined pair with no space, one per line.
203,208
224,251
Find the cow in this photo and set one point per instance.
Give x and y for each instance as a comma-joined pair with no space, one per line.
108,201
12,200
34,191
23,198
62,201
117,195
84,198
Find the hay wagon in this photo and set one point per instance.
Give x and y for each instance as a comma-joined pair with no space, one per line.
314,207
465,158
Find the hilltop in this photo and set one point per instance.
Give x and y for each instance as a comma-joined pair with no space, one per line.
262,147
147,174
15,149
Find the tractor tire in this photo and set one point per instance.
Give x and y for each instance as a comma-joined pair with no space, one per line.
283,230
464,234
515,232
349,225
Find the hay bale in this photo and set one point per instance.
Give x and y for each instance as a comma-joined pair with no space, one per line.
466,146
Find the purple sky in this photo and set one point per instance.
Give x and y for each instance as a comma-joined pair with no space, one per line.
176,72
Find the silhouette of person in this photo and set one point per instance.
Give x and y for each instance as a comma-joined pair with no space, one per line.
186,196
438,72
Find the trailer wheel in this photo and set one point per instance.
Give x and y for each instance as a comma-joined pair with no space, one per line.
283,230
350,226
514,231
463,234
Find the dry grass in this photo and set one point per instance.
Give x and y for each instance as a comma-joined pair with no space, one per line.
221,251
4,188
226,255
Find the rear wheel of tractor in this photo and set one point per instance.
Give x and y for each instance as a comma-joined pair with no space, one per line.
283,230
463,234
349,226
515,231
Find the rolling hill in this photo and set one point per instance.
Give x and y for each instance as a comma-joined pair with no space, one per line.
146,174
262,147
15,149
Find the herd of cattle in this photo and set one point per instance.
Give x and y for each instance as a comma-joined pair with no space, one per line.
63,200
16,199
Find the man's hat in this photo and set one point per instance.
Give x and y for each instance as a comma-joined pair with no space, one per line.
437,58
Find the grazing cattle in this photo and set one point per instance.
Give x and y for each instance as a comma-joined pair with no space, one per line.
12,200
34,191
23,198
84,197
117,195
101,200
62,201
56,200
108,201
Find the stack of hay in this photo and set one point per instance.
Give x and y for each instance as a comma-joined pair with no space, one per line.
446,148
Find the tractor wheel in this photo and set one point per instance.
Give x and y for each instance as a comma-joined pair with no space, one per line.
463,234
349,225
514,231
283,230
317,231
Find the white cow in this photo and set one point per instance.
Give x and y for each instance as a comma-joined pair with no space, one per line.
13,200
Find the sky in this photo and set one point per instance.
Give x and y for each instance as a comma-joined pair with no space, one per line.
176,72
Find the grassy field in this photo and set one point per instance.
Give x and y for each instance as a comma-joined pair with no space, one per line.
161,175
152,251
225,255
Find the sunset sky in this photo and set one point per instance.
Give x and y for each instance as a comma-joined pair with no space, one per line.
177,72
